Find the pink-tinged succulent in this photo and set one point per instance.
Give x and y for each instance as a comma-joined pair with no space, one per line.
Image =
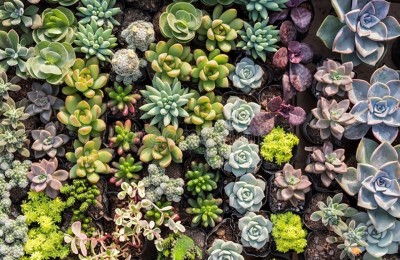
292,185
327,162
48,142
45,177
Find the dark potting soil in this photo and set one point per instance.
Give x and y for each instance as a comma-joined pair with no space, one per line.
267,94
224,231
198,236
319,249
314,225
280,205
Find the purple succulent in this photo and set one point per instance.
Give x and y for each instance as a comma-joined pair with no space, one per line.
48,142
299,16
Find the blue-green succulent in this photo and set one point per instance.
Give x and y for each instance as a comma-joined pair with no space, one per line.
255,230
243,158
100,11
247,75
239,113
258,9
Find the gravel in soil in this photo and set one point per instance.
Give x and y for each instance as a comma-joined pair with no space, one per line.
319,249
314,225
280,205
224,231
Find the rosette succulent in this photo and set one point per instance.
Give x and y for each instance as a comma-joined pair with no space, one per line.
211,71
258,10
13,113
376,106
124,139
292,185
14,13
180,22
47,141
334,78
100,11
170,60
45,177
243,158
359,31
13,140
221,250
239,113
126,170
199,179
254,230
247,75
206,211
122,99
43,100
246,194
6,86
139,35
330,118
326,162
220,30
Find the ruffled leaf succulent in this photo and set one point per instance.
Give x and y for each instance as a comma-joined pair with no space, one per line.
100,11
247,75
254,230
200,180
206,211
125,140
47,141
243,158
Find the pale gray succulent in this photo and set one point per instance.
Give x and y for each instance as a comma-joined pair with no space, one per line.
243,158
139,35
127,65
225,250
247,75
255,230
239,113
47,141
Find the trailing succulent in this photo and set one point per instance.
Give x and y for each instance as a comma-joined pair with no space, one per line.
254,230
247,75
239,113
47,142
100,11
243,158
124,139
258,10
139,35
121,99
206,211
200,180
125,170
221,249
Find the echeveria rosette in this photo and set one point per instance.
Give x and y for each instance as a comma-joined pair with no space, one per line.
14,13
47,142
255,230
376,180
247,75
246,194
376,106
225,250
359,30
239,113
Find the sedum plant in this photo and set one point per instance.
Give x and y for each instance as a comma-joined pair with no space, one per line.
292,185
51,61
13,113
47,142
124,139
17,173
254,230
220,29
158,217
178,246
326,162
121,99
243,158
6,86
258,10
247,75
221,249
100,11
259,40
164,102
125,170
13,140
206,211
170,60
139,35
90,160
331,118
200,180
127,65
246,194
13,235
14,13
85,77
239,113
211,71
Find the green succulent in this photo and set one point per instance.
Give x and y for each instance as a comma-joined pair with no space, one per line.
85,77
14,13
62,2
83,116
124,139
122,99
13,140
93,40
101,11
170,60
199,179
13,53
180,22
58,25
161,147
155,215
164,102
13,113
178,246
208,2
259,39
6,85
220,30
206,211
51,61
126,170
211,71
90,160
258,9
221,249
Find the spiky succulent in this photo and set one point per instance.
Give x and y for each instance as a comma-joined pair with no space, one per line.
165,102
14,13
220,29
126,170
89,160
247,75
13,140
93,40
170,60
239,113
221,249
6,86
124,139
258,9
254,230
259,39
47,141
243,158
85,77
13,113
139,35
121,99
206,211
127,65
200,180
100,11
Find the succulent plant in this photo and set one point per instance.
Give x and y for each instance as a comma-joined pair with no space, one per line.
334,78
126,170
61,2
51,61
6,85
211,71
180,22
83,116
126,64
161,147
85,77
203,110
208,2
239,113
247,75
124,139
206,211
330,118
246,194
221,249
164,102
178,246
45,177
220,29
292,185
93,40
296,14
100,11
376,106
139,35
255,230
14,13
13,140
13,113
259,39
376,180
47,141
13,53
199,179
359,31
58,25
258,10
170,60
90,160
243,158
333,211
43,100
121,99
160,217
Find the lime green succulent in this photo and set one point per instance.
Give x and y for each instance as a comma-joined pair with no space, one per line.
126,170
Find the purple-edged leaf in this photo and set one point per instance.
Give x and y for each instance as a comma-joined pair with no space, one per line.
280,59
262,124
274,104
294,3
297,116
295,55
288,91
287,32
278,16
300,77
301,17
